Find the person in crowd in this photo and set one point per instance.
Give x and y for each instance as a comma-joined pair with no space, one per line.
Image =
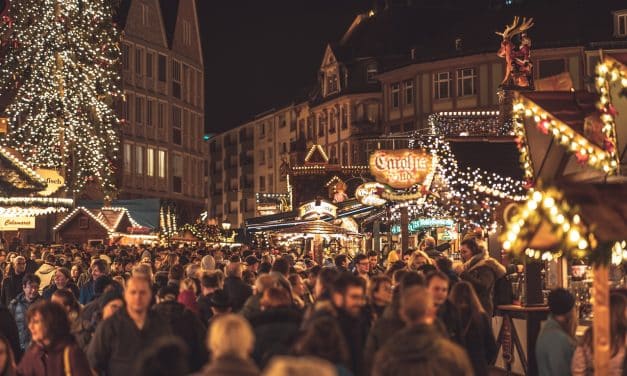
68,301
54,351
236,289
477,333
12,283
184,324
420,348
101,285
445,265
293,366
220,305
341,262
187,295
375,268
8,328
167,356
556,343
379,295
583,358
428,247
109,303
120,338
276,326
79,277
420,262
481,271
324,283
362,266
230,342
447,313
19,307
207,264
46,271
175,275
323,338
252,264
7,360
348,298
300,292
209,283
87,292
252,306
62,280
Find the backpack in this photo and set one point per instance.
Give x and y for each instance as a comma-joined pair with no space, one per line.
503,292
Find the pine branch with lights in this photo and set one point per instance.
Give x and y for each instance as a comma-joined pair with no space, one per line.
59,61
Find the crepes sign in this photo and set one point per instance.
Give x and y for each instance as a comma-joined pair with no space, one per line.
401,168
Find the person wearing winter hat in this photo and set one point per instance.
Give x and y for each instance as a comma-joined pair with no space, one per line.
556,343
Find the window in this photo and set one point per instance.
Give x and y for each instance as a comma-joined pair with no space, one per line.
161,115
262,183
331,83
408,87
466,79
124,107
176,79
162,164
333,155
332,122
270,156
187,33
139,160
345,154
139,61
371,71
344,117
176,125
149,107
149,58
396,93
139,109
261,157
551,67
284,149
282,122
145,14
262,130
322,124
620,25
442,85
372,113
177,174
161,67
127,158
150,162
270,183
126,56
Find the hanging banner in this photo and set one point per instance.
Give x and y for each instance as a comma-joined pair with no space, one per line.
401,168
53,179
368,194
16,223
317,209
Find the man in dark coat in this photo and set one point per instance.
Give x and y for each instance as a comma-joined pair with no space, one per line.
184,324
121,338
209,283
88,291
276,327
236,289
447,314
420,348
12,284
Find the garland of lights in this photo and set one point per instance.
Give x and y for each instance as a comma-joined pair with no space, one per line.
202,231
167,221
99,217
470,123
60,59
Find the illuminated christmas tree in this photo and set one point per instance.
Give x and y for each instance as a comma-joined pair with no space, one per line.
58,62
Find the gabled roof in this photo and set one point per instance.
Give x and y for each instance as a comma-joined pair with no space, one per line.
316,155
16,176
110,218
169,12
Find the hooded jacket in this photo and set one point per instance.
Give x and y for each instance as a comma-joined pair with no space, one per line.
45,274
421,349
275,330
482,271
19,307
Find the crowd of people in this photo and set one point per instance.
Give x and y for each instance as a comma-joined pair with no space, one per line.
192,310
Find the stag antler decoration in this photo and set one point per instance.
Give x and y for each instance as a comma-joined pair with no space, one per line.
518,71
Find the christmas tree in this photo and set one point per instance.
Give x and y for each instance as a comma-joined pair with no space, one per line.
59,64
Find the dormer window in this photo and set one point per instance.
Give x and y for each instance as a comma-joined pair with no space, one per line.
371,72
620,23
332,86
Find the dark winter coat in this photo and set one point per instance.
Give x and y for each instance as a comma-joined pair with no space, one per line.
383,329
118,342
18,308
355,330
39,361
421,350
449,316
238,291
11,287
479,343
230,366
275,330
48,291
9,329
204,308
483,275
188,327
87,292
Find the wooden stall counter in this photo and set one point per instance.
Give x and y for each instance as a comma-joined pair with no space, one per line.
516,329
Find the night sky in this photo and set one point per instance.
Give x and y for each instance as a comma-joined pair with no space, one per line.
259,54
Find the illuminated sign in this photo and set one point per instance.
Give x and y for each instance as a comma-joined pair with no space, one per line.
16,223
316,209
368,194
400,168
422,223
53,179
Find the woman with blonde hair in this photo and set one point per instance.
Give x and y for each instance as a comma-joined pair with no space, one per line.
418,260
230,342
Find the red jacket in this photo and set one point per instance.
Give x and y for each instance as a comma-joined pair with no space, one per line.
40,361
